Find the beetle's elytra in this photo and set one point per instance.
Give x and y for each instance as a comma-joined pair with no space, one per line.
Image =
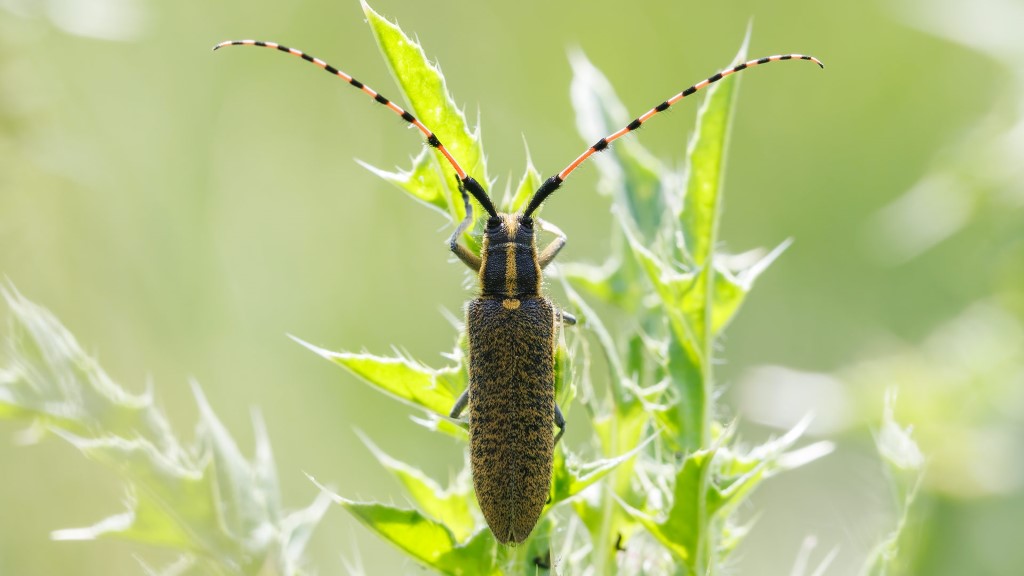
512,328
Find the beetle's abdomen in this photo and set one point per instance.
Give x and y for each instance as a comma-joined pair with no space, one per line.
512,410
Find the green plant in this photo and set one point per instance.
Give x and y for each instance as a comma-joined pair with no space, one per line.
905,466
221,512
675,474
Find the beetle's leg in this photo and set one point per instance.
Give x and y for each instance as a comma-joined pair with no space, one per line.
543,562
467,257
560,422
549,253
567,318
460,404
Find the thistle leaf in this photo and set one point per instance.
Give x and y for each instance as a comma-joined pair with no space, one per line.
205,500
570,478
733,283
449,507
423,181
402,378
425,89
681,528
427,541
705,168
528,184
628,171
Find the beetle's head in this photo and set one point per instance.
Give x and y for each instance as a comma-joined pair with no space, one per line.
509,256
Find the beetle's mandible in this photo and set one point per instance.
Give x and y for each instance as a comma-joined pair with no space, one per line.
512,327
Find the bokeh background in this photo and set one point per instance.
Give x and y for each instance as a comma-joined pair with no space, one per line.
182,212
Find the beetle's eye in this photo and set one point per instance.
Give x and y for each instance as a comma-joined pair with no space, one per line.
526,222
493,223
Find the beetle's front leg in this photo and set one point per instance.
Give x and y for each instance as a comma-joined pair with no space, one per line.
552,250
464,254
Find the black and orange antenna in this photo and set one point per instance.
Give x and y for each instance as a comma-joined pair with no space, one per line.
551,184
467,181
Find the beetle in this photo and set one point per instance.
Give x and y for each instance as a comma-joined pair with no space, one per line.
512,326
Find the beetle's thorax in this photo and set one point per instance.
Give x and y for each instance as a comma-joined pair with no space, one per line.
509,267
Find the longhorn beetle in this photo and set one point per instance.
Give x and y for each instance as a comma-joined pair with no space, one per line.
512,327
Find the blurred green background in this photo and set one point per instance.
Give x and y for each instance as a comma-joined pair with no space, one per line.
181,212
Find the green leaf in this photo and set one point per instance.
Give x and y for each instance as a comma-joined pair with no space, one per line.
153,515
443,425
528,184
684,420
423,539
705,168
672,286
412,532
425,89
700,213
684,528
895,443
233,475
402,378
691,298
729,293
619,426
423,182
905,461
620,381
732,283
449,507
711,485
204,500
628,171
608,524
182,566
738,474
569,478
619,281
565,382
45,375
217,510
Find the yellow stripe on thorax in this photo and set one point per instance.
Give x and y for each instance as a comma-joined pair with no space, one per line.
511,226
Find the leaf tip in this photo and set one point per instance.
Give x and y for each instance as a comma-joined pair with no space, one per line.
742,54
313,347
325,490
371,446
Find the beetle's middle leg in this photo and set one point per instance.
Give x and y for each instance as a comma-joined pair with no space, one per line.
560,422
460,404
464,254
